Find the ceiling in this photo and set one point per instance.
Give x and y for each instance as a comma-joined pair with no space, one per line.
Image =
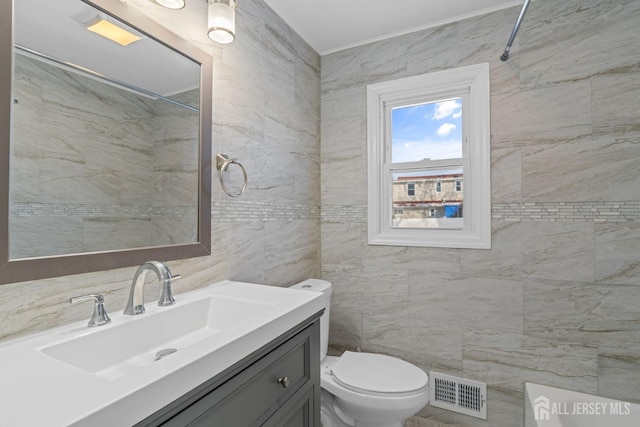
333,25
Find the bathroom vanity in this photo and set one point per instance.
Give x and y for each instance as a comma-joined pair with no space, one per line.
231,354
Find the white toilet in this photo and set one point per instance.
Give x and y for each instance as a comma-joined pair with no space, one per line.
365,389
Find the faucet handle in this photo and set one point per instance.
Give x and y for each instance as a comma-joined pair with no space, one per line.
100,316
166,297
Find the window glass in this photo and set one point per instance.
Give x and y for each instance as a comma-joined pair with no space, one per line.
422,136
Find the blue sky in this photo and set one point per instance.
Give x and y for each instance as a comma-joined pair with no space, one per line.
431,130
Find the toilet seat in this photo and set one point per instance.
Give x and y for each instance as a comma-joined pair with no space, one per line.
378,374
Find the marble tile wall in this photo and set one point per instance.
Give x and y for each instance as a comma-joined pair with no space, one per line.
266,112
76,186
53,180
175,171
557,298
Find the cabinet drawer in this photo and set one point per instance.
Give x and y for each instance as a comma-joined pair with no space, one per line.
251,397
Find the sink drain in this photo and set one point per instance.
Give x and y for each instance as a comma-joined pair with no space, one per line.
164,352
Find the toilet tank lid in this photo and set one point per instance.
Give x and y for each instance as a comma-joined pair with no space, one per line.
317,285
378,373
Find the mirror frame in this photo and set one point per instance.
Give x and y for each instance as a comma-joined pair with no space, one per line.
24,269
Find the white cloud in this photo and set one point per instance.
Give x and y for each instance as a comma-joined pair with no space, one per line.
445,129
451,108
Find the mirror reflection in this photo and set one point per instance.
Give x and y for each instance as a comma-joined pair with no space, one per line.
104,135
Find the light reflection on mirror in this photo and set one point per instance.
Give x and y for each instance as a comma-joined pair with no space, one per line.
104,137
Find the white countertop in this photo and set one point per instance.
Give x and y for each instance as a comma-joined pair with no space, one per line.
37,390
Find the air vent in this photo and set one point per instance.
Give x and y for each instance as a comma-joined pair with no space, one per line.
458,395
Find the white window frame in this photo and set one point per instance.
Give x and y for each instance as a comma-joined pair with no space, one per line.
471,80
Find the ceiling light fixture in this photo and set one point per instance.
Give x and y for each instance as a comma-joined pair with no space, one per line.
171,4
222,20
110,30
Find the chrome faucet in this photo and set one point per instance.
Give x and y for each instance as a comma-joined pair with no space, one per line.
135,304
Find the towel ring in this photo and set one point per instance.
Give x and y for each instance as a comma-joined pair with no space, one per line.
222,163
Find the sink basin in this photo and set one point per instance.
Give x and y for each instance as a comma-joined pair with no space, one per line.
119,350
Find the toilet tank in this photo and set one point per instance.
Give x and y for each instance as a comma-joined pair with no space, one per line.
324,287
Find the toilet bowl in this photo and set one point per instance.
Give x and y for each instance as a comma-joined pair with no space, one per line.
365,389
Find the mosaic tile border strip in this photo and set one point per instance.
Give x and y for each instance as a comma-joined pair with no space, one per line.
568,211
344,213
97,211
531,211
221,211
238,210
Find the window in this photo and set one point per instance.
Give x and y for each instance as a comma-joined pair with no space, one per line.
432,130
411,189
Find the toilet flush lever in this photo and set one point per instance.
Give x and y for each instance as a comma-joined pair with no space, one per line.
284,382
100,316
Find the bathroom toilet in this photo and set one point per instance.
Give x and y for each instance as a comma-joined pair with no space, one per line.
365,389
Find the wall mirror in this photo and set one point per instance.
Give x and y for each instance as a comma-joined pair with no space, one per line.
105,140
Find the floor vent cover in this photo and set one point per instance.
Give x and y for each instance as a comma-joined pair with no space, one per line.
458,395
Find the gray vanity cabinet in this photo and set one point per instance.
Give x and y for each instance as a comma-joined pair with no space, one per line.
276,386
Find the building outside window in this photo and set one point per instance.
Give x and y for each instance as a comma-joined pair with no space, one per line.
438,197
